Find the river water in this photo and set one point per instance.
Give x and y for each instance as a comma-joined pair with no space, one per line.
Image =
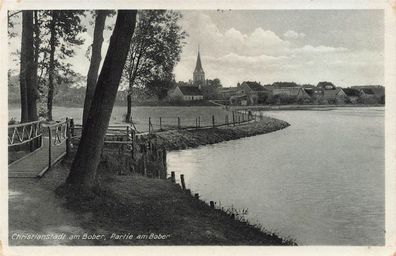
320,181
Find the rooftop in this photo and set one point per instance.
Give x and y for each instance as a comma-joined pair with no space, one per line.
190,90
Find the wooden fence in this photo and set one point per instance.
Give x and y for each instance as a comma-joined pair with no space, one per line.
233,118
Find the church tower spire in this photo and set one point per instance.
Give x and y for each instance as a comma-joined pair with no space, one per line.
199,74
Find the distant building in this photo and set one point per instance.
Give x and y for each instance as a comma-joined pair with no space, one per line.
186,93
297,92
255,92
225,93
199,74
367,90
353,95
334,96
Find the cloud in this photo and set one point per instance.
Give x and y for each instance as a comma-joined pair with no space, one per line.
319,49
291,34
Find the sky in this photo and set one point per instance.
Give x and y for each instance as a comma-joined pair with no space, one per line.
345,47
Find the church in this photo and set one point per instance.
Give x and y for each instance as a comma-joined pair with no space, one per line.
193,91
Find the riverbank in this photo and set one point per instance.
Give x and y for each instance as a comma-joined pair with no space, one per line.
303,107
126,210
191,138
134,209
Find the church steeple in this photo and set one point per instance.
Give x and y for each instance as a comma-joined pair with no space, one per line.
198,65
199,74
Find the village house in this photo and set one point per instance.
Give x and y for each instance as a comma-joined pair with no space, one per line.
225,93
371,93
186,93
255,92
353,95
295,92
334,96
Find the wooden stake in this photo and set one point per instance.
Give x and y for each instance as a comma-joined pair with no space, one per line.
173,178
49,147
182,181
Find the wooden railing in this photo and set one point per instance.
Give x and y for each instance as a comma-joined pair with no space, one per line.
58,133
115,134
19,134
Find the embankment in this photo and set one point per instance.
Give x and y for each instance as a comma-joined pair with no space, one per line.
182,139
133,209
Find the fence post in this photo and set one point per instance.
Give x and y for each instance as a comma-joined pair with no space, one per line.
72,127
196,123
233,118
149,124
213,121
178,122
199,121
173,179
182,181
67,136
160,123
49,147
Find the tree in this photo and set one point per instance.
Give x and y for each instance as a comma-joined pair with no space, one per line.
83,171
26,61
96,58
64,28
155,49
160,87
210,88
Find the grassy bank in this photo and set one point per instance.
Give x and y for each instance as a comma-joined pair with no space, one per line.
182,139
153,211
132,209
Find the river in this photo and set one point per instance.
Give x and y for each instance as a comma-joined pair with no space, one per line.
320,181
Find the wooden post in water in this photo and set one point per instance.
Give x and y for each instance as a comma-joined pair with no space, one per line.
213,121
196,123
49,147
182,181
160,123
173,178
178,122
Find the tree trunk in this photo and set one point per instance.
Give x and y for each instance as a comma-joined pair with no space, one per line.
31,70
129,108
86,161
24,65
95,60
51,66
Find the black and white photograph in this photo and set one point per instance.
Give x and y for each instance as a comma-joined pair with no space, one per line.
166,126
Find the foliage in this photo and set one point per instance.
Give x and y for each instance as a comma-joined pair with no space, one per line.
210,88
160,87
155,48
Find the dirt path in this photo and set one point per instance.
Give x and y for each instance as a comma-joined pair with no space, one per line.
35,210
